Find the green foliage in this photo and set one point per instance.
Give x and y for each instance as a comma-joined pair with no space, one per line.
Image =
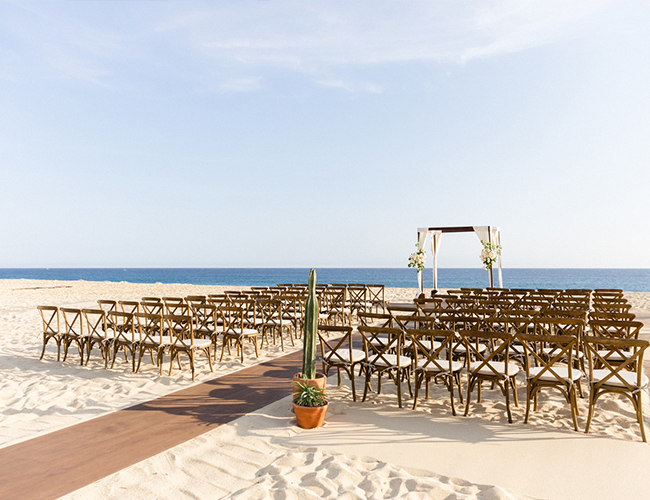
310,330
309,395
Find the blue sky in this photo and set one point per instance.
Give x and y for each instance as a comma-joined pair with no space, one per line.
295,134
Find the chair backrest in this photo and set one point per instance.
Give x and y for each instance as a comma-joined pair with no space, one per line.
151,299
615,329
271,312
204,316
559,326
612,316
612,307
73,322
123,326
107,305
230,318
338,350
380,344
129,306
51,320
220,299
357,297
601,351
376,295
427,354
149,326
96,324
177,309
559,348
376,319
181,329
196,299
415,322
500,350
152,307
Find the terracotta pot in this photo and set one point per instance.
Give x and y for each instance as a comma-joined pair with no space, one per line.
309,417
319,381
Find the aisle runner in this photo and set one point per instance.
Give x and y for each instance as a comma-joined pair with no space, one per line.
63,461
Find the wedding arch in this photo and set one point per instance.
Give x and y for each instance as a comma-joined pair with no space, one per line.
489,234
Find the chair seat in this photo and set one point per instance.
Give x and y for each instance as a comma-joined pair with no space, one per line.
155,341
460,348
242,332
357,355
390,360
499,367
629,377
614,355
427,366
551,351
425,343
562,372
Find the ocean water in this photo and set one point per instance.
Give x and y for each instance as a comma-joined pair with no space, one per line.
631,280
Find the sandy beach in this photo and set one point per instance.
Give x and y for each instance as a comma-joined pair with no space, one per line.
366,450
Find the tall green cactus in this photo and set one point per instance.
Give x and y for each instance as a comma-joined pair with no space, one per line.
310,330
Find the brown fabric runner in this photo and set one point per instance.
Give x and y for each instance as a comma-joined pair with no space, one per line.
63,461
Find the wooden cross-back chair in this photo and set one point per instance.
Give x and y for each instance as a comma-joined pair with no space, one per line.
562,326
340,353
487,368
273,322
97,333
292,310
612,307
556,371
232,322
626,378
151,338
333,306
385,357
415,322
376,297
430,350
51,328
248,307
74,331
124,335
357,298
183,341
615,330
206,324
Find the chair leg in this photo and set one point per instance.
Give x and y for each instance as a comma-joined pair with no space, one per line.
398,380
172,353
351,374
45,339
470,384
507,391
592,403
450,380
639,414
209,354
528,398
418,381
513,380
574,406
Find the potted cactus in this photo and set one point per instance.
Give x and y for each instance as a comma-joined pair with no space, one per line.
310,406
308,375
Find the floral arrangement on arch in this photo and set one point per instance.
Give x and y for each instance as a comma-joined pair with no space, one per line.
417,258
489,254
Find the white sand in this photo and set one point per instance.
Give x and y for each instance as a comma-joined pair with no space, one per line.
264,455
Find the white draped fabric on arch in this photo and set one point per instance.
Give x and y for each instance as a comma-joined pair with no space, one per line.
489,234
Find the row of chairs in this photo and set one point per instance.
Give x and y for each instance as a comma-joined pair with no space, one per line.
415,349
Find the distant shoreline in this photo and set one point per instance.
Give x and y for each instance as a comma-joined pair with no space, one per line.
628,279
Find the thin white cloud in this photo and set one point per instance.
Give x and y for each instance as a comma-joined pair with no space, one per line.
241,84
316,39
